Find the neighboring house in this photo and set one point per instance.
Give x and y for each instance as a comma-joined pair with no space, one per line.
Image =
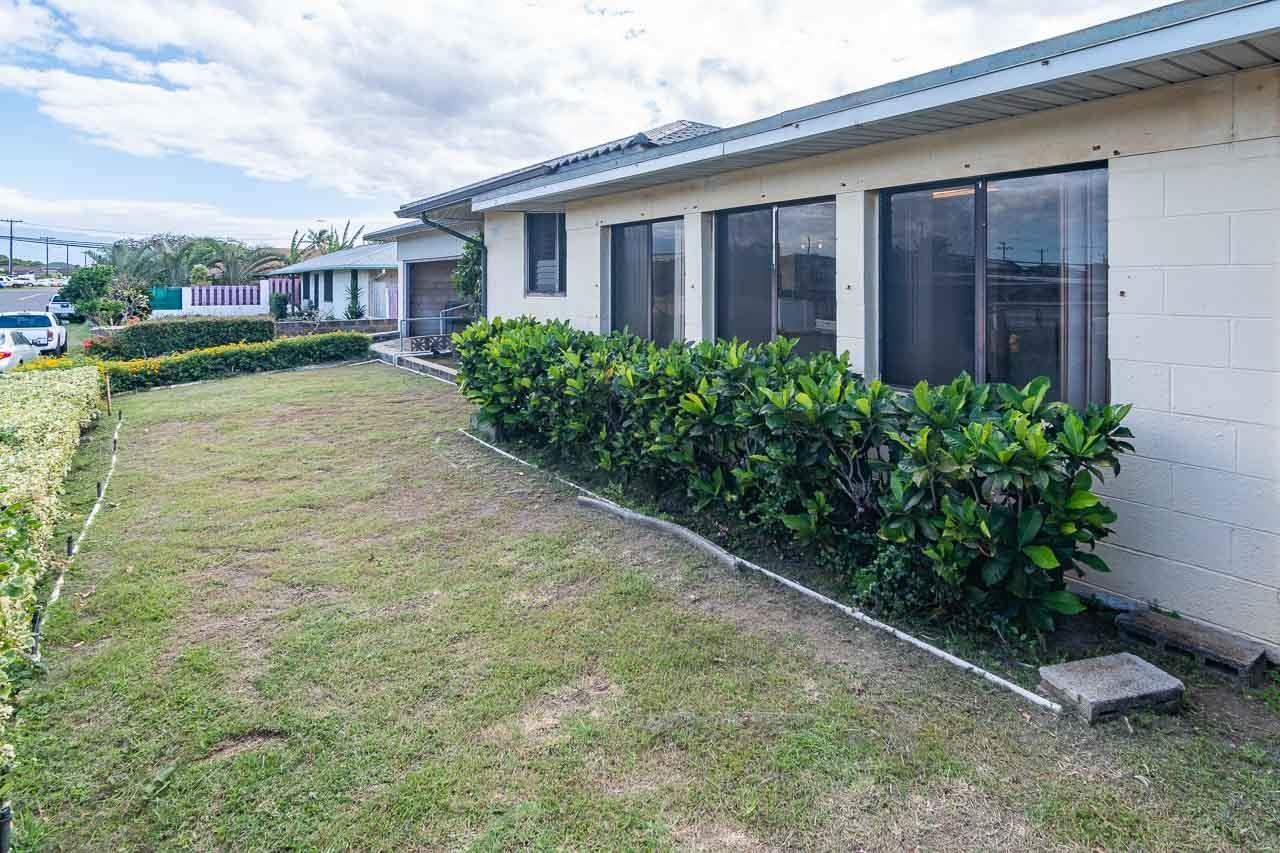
425,258
323,282
1102,207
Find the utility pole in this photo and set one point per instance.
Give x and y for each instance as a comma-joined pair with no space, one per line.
46,257
10,221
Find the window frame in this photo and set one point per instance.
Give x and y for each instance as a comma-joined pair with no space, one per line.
979,183
562,284
773,256
327,291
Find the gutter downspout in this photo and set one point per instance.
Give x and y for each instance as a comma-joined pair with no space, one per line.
478,242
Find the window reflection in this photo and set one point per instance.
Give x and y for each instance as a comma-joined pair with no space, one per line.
1037,301
648,271
1047,281
756,299
807,275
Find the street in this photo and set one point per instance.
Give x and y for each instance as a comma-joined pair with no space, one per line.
25,298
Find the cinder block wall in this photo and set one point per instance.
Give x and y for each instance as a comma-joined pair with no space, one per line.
1194,336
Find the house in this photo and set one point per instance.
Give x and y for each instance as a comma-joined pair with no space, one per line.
425,257
1102,207
324,282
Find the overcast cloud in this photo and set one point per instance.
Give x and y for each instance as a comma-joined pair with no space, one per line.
404,99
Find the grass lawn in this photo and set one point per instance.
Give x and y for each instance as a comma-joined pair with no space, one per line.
313,616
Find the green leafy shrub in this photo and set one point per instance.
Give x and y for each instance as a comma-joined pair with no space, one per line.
279,305
231,359
989,486
162,337
41,416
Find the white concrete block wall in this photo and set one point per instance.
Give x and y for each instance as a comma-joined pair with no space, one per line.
580,303
1194,230
1194,337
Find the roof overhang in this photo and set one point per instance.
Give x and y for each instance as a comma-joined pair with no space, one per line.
464,221
1173,44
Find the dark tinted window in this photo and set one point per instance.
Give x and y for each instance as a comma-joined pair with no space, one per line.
1036,297
631,278
744,275
24,321
544,247
647,274
929,286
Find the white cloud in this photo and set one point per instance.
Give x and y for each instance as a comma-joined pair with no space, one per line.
108,219
388,97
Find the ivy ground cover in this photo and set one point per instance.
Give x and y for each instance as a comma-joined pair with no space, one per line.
378,635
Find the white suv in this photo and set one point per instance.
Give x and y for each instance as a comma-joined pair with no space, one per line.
41,329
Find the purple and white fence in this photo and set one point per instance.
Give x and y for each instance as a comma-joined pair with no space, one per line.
290,285
220,300
226,295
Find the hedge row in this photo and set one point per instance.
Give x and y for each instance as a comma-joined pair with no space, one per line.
163,337
228,360
41,417
989,486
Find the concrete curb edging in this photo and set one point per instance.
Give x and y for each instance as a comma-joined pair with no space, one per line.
593,501
737,563
56,592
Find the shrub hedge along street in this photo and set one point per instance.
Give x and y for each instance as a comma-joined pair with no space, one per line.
162,337
41,416
220,361
986,487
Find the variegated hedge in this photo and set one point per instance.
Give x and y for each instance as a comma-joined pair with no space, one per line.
42,414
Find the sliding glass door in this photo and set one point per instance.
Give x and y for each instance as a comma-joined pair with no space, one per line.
1005,278
647,278
776,274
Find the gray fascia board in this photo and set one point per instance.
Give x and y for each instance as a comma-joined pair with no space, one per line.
1190,25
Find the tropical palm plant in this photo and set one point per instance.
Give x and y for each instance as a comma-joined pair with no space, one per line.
235,262
298,248
328,240
132,258
171,257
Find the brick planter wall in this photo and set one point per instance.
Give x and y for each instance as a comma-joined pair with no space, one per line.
293,328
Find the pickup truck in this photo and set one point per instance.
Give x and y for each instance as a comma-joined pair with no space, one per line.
43,330
62,309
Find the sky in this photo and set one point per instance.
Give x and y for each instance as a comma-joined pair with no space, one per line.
252,118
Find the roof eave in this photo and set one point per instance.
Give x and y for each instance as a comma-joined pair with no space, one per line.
1191,25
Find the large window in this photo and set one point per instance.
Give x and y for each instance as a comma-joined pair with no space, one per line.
1003,277
544,253
648,278
776,274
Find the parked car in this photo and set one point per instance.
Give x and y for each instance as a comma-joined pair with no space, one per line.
62,309
15,349
42,330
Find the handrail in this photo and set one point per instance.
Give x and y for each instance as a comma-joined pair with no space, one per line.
440,319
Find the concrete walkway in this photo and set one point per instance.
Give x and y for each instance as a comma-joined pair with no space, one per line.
389,351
